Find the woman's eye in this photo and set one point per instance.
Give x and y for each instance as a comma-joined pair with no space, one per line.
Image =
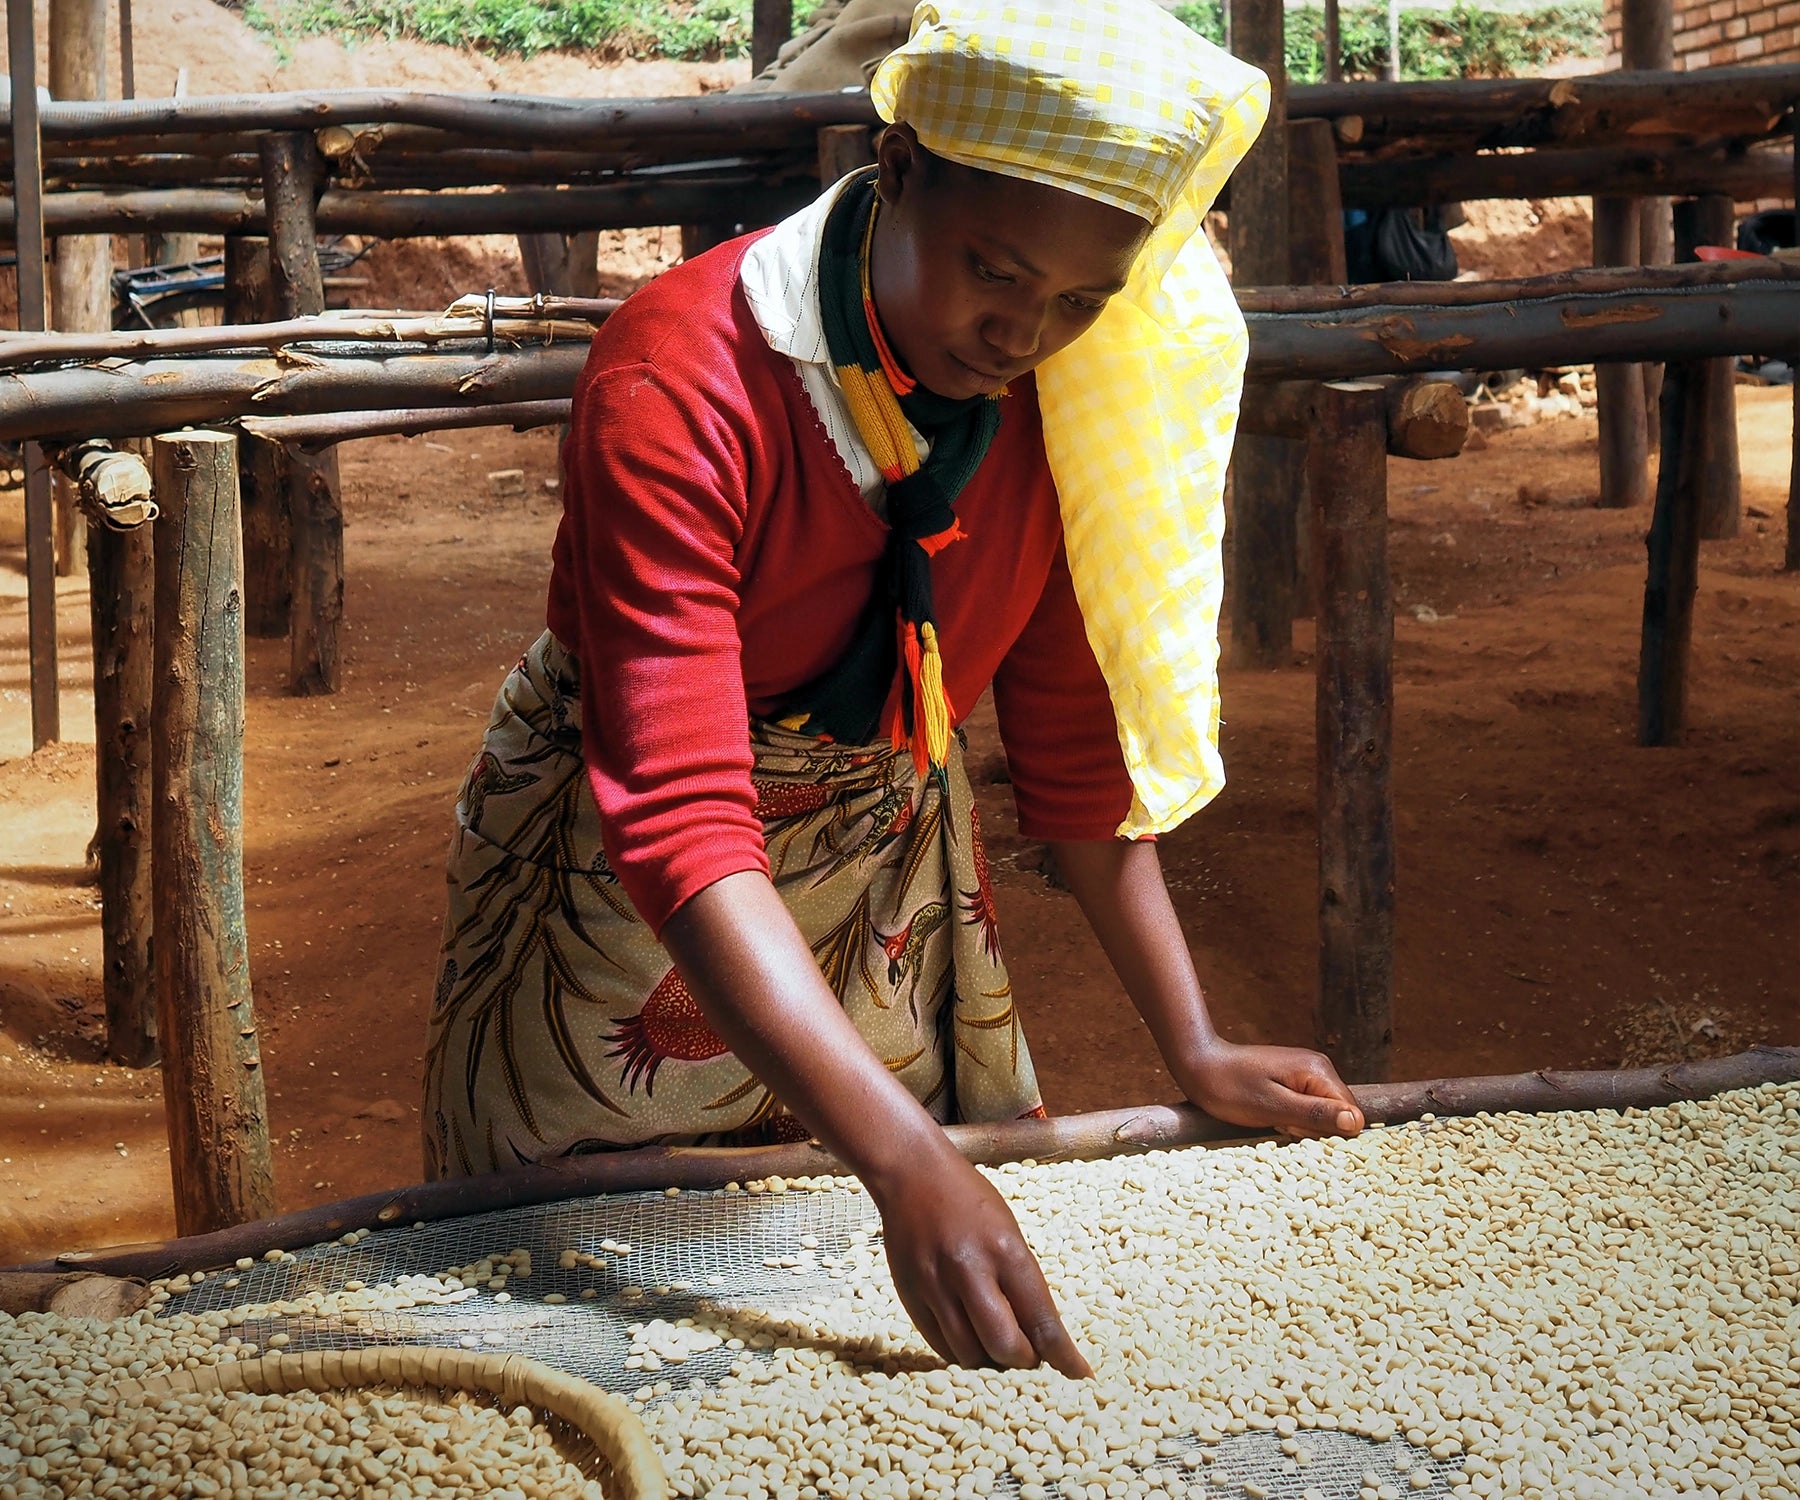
1083,304
988,273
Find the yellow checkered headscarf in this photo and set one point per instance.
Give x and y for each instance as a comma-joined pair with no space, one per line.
1117,101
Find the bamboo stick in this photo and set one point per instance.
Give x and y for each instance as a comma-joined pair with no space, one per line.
518,322
1118,1132
213,1091
342,427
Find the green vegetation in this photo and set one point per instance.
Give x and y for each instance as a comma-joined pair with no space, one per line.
1461,42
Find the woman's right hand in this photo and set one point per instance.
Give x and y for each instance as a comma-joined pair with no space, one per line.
964,1272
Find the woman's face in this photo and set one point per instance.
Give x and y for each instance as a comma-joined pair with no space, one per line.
979,278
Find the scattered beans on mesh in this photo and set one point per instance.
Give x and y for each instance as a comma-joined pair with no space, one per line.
60,1435
1570,1306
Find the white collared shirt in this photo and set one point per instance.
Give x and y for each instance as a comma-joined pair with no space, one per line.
780,276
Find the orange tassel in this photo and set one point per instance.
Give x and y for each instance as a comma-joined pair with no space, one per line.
936,544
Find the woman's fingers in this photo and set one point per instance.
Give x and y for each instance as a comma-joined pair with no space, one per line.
1041,1323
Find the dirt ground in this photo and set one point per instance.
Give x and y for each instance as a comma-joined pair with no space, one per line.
1565,897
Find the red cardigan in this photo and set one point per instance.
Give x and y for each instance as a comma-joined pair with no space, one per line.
714,554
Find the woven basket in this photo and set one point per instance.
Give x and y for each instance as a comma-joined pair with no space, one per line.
607,1422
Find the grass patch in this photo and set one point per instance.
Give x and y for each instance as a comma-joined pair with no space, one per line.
1461,42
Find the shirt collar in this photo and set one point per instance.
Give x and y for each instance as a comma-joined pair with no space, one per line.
780,276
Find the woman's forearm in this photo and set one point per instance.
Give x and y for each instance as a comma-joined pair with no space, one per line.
760,988
1119,887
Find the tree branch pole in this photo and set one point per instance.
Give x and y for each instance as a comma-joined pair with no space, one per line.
1090,1137
40,523
1624,434
81,266
771,25
1791,559
213,1090
1623,170
1673,545
1266,473
1711,425
341,427
292,171
1647,43
1354,709
1319,333
262,465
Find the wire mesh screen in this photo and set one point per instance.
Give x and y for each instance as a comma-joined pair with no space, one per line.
651,1256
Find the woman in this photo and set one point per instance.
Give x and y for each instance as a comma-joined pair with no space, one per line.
717,873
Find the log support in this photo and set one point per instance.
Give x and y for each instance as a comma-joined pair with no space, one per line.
115,489
1791,560
1673,545
1354,707
1267,474
28,224
771,24
1710,428
1619,388
262,466
844,149
292,178
81,267
213,1090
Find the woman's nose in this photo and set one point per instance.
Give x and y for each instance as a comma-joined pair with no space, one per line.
1015,336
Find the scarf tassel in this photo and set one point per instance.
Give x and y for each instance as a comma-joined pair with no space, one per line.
931,713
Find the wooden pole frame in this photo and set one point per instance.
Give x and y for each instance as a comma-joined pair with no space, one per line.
28,228
1354,711
1673,546
292,178
1090,1137
213,1091
1267,473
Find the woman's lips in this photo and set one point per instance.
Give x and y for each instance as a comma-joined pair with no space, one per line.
989,380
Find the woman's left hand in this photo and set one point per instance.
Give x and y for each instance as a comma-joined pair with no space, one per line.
1286,1089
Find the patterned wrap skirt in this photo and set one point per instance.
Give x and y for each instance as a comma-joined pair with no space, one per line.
559,1025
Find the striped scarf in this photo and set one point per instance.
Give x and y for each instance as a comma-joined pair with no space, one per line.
845,704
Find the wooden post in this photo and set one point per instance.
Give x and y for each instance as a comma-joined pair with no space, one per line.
1354,709
1710,429
1619,389
81,265
1791,561
771,25
1647,40
1334,43
40,520
1266,473
1673,545
122,587
262,465
291,180
844,149
127,53
1316,258
213,1090
562,265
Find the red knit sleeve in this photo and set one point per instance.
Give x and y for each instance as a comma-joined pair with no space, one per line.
1056,721
653,514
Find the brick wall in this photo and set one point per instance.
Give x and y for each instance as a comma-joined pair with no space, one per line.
1712,32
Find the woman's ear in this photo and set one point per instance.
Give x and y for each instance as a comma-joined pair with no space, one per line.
899,162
